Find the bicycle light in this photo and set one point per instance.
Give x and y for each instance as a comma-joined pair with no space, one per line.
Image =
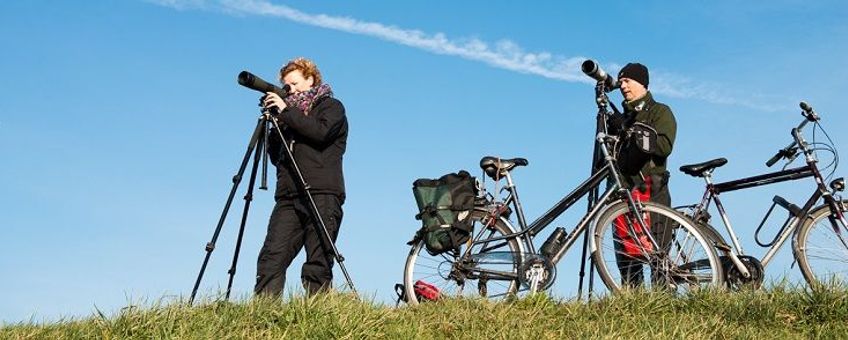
838,184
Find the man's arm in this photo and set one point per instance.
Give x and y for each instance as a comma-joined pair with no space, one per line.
666,127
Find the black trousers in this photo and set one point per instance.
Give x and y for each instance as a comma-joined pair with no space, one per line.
291,227
661,229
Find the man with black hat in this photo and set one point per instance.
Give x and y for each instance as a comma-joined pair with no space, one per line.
650,128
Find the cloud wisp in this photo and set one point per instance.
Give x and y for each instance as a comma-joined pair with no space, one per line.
503,54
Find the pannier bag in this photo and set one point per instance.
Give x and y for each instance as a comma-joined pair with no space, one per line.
444,206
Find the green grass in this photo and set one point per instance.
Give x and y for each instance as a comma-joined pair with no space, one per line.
778,312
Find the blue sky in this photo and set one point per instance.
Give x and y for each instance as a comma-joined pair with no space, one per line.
121,123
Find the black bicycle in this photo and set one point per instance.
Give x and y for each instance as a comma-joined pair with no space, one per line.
501,260
820,241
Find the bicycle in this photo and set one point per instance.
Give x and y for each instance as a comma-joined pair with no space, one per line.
808,223
500,261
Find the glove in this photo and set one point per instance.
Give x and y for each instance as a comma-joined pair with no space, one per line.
644,137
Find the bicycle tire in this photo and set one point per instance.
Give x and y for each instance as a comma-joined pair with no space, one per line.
459,276
825,261
690,263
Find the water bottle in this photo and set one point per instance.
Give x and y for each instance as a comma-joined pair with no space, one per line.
554,243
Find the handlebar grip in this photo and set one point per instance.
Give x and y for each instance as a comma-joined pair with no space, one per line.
808,112
775,158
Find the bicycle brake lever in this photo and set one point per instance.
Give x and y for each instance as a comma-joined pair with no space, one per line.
791,157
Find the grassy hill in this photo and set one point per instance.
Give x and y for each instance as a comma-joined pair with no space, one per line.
775,313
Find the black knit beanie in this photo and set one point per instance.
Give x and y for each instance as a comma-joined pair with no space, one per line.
635,71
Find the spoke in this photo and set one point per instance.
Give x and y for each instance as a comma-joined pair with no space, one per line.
692,249
682,251
426,266
432,259
833,250
697,277
429,276
827,258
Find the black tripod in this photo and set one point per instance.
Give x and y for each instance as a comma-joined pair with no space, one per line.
602,100
257,145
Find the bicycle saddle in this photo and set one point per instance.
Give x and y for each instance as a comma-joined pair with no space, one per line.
496,167
698,170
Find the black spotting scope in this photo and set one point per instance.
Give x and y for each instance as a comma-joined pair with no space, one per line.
253,82
592,69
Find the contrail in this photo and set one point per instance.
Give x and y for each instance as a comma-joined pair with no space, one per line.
504,54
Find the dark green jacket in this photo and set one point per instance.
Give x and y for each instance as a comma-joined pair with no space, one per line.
633,162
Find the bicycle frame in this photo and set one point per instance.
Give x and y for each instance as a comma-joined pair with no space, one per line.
713,190
789,227
527,232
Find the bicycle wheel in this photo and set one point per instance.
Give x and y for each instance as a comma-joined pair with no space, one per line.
487,269
821,250
685,261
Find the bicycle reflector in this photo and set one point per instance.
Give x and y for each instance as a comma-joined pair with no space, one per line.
838,184
425,291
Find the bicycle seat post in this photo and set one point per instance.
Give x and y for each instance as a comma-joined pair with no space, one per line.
510,185
708,177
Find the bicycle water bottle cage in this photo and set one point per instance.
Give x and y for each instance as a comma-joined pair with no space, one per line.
496,168
700,169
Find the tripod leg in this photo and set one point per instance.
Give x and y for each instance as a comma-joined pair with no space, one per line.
315,213
248,198
236,181
329,240
600,126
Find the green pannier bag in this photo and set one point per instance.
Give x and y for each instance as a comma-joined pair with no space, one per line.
445,206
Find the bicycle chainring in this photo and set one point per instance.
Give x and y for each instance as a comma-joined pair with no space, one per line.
734,278
536,269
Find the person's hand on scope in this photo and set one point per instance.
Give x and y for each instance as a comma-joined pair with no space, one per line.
273,101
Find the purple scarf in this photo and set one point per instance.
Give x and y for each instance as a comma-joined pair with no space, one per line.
305,100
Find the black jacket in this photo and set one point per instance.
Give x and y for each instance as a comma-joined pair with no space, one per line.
319,142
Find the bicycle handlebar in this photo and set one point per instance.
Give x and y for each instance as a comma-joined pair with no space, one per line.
809,116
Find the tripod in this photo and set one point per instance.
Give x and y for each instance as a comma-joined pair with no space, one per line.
257,145
602,100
